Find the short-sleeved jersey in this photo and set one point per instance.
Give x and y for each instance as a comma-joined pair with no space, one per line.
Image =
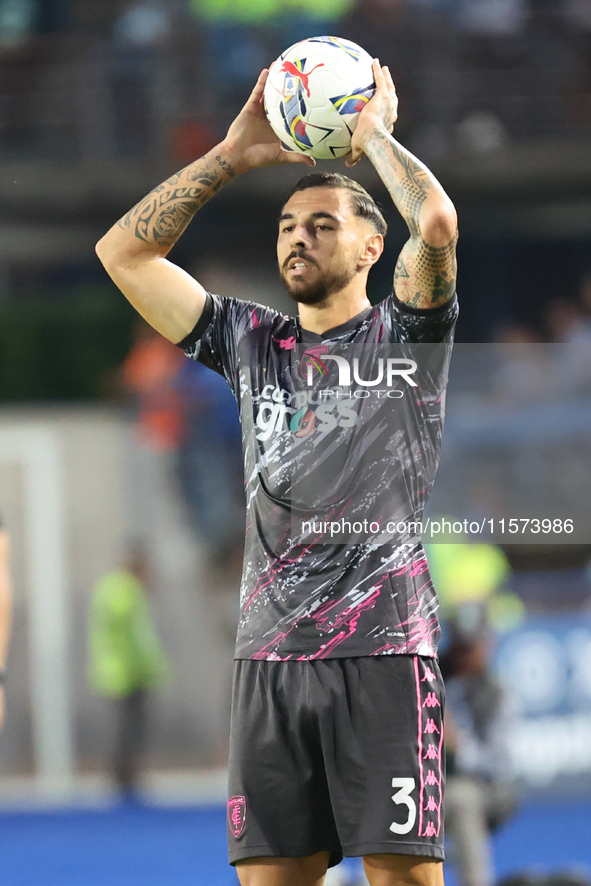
302,601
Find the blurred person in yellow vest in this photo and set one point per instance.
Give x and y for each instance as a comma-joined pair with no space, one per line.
464,571
126,659
257,11
5,613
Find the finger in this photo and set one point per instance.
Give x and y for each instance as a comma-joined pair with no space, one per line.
294,157
353,158
378,74
388,78
391,94
257,93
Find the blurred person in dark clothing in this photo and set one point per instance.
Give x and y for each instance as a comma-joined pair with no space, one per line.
210,462
138,68
566,321
126,660
569,326
480,791
5,612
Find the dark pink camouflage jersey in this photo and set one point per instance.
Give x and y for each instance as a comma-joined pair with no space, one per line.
326,600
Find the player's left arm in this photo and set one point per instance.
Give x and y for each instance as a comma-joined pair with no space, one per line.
425,274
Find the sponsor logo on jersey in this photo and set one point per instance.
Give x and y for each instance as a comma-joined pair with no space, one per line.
303,412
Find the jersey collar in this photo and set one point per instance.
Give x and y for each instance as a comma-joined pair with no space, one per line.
305,335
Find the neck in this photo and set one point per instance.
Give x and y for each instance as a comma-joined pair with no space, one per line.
336,309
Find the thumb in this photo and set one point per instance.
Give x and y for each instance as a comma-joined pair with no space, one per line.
294,157
353,157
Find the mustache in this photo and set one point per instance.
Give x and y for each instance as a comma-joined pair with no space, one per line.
298,253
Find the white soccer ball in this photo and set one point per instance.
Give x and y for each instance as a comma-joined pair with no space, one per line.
314,93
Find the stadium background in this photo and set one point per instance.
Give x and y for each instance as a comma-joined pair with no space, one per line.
101,429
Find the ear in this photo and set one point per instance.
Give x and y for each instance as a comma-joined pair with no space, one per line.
374,246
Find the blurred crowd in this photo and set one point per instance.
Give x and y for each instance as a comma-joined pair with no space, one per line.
564,320
81,80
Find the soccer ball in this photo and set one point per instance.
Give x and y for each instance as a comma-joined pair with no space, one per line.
314,93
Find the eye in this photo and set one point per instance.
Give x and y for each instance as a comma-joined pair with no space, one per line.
286,229
323,228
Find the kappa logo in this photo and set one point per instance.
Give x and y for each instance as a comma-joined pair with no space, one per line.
431,778
237,815
431,701
430,830
286,344
431,753
430,727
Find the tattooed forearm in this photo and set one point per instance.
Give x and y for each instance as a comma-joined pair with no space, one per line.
425,274
225,165
408,182
162,216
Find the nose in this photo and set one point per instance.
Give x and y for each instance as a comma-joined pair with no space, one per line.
299,237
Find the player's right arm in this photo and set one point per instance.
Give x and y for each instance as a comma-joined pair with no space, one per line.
134,251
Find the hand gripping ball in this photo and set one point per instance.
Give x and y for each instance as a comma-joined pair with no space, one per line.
314,94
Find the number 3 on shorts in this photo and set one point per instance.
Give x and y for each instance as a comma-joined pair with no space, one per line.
403,795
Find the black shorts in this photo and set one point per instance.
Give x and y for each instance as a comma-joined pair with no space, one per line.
342,755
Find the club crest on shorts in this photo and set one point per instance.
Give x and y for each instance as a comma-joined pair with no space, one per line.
237,815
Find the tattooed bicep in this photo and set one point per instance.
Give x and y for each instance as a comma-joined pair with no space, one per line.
425,275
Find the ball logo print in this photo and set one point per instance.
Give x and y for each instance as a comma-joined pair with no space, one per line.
237,815
294,71
314,94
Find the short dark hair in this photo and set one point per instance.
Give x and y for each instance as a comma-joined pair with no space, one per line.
362,203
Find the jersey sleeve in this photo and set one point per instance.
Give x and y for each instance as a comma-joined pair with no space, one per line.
216,338
420,325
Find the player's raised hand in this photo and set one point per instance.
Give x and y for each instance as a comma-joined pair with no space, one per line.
380,113
250,139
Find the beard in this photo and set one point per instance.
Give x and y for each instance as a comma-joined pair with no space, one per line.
317,291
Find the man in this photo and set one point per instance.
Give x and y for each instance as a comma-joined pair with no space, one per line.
335,745
5,613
